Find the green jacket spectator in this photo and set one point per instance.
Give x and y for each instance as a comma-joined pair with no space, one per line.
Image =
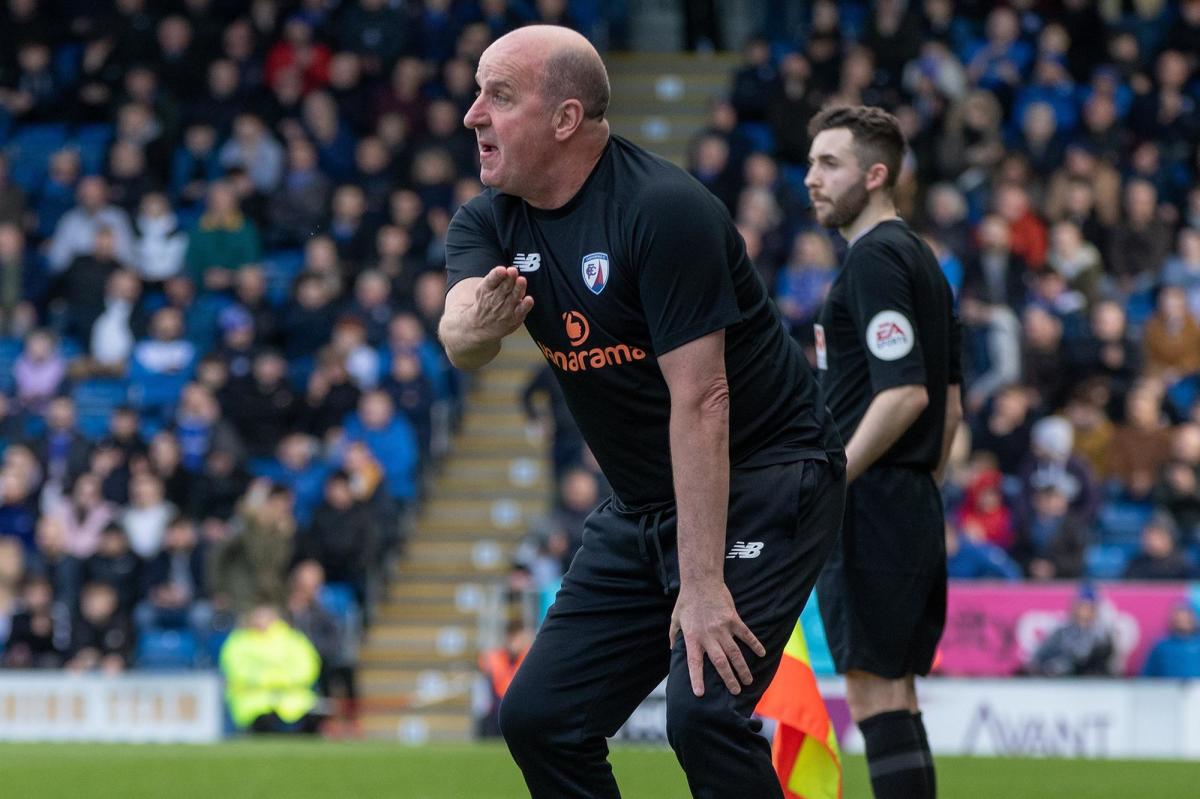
222,242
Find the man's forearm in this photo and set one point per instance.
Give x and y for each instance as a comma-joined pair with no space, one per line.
700,465
466,346
888,416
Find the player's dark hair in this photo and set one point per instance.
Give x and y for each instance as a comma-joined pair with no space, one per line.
877,135
576,73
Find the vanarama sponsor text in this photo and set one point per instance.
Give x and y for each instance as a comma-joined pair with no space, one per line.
594,358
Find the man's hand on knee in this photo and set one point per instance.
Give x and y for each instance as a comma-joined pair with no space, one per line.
711,627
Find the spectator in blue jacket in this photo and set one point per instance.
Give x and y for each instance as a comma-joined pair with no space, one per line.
972,558
391,440
296,467
1178,654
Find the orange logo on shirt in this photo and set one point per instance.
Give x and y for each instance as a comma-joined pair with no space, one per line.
578,329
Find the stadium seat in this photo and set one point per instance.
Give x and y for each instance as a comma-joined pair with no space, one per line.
10,350
1106,561
1183,393
281,267
1121,521
30,151
166,649
92,142
95,401
338,600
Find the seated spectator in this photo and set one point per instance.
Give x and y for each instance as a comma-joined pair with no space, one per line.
253,149
222,242
1177,655
308,320
1107,350
367,485
195,164
128,182
1176,491
248,567
39,371
1052,538
994,332
342,536
236,348
1160,557
1081,647
17,509
1139,243
329,636
1043,364
262,406
111,341
173,584
76,232
1141,445
162,364
123,432
412,393
250,293
1075,259
37,88
82,285
269,670
37,637
146,518
217,488
1093,430
801,286
1005,430
200,427
391,440
299,207
1027,231
1172,337
1183,268
22,282
160,245
331,396
970,556
83,516
983,514
296,466
13,202
101,636
996,274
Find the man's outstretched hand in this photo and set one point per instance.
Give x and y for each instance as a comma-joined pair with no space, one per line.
501,304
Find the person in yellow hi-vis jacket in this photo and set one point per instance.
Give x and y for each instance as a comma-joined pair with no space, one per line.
270,669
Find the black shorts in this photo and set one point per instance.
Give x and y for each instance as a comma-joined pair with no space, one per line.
882,593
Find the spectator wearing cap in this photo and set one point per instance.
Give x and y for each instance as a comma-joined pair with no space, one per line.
1051,462
237,345
983,511
1160,557
222,242
1176,655
1081,647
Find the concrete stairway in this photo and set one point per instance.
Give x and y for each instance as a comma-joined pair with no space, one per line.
660,100
419,659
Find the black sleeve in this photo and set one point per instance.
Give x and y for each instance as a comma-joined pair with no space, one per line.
683,256
955,377
472,248
881,305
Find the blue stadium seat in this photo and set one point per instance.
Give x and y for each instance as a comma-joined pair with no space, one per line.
338,600
92,142
10,350
281,267
1183,393
95,401
166,649
30,151
1106,561
1121,521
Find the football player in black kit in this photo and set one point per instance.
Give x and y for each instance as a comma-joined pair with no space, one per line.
727,471
887,354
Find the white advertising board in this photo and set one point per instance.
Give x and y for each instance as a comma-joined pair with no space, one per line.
60,706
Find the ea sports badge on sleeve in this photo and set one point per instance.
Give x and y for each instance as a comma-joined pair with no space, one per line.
595,271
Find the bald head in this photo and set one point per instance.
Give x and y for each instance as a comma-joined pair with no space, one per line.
570,66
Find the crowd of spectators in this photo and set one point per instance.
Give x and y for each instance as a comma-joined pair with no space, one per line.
221,265
1054,170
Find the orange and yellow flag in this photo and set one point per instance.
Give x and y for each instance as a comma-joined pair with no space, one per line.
805,750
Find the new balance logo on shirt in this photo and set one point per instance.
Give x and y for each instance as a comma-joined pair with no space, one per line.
745,549
528,262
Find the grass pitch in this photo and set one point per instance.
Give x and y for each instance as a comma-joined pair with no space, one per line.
293,769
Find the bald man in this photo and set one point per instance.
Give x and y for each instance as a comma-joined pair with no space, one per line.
727,472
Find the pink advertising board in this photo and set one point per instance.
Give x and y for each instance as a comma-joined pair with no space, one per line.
993,628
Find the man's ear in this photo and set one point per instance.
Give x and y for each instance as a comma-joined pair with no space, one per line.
567,119
877,176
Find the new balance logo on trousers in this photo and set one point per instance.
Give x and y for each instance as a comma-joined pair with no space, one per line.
745,549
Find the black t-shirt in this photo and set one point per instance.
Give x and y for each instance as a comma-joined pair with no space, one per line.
641,261
889,321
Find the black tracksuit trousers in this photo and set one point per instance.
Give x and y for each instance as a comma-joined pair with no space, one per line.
604,644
